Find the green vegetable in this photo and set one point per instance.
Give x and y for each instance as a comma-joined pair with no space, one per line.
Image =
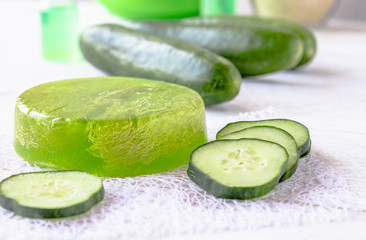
253,48
119,51
272,134
296,129
50,194
239,169
109,126
304,33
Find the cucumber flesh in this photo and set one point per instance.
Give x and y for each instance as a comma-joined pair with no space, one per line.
296,129
50,194
276,135
238,169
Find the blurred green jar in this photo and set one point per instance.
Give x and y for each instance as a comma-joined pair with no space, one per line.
152,9
60,32
307,12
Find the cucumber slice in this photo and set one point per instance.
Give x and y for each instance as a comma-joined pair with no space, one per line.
238,169
296,129
50,194
276,135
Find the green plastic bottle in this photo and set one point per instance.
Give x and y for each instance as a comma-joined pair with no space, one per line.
60,33
217,7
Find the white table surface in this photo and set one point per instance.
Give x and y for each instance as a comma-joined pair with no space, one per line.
328,96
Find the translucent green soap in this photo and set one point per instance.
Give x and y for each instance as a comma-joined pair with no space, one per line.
109,126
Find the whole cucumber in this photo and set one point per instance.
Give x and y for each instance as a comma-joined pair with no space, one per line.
119,51
253,48
303,32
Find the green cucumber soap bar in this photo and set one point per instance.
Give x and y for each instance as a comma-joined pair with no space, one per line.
109,126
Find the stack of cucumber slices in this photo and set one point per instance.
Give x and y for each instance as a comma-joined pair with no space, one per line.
249,158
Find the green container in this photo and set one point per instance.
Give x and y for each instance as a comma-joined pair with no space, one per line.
60,32
217,7
152,9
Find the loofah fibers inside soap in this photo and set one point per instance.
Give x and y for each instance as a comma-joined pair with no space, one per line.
109,126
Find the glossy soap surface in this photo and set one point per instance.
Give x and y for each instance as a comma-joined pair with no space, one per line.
109,126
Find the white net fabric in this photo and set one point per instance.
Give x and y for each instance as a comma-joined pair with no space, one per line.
168,204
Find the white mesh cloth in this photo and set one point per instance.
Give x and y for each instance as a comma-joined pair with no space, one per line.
168,204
